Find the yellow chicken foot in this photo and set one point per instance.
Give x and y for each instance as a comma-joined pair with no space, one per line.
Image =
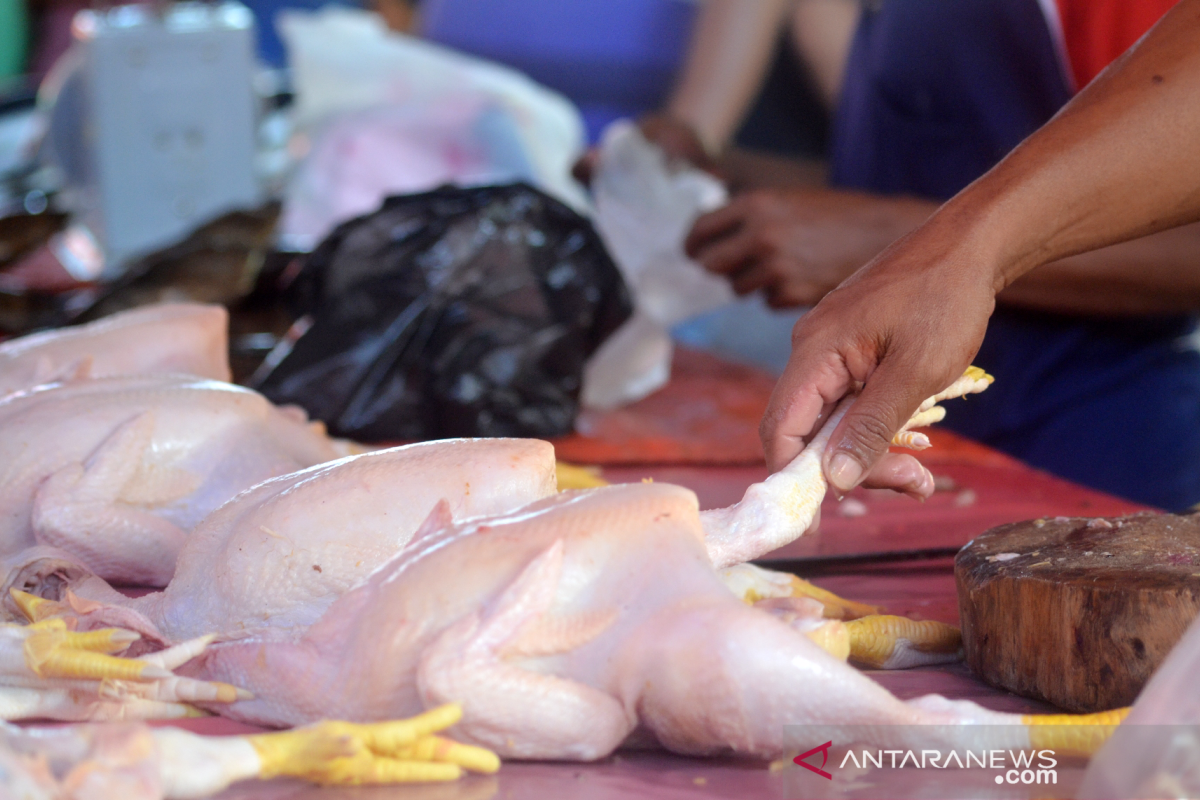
754,584
571,476
973,381
883,641
52,651
351,754
36,608
101,758
1074,734
49,671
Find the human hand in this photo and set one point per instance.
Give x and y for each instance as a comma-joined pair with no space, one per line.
902,328
677,139
797,245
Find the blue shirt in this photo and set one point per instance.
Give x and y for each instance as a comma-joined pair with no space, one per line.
938,91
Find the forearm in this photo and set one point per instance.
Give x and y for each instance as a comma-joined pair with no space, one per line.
731,46
822,31
1157,274
1118,162
747,170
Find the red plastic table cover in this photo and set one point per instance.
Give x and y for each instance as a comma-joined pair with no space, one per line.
707,414
701,432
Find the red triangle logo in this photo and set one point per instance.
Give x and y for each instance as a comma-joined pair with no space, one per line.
824,751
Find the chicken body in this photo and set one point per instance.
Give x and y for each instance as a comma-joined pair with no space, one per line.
116,471
280,554
184,338
561,628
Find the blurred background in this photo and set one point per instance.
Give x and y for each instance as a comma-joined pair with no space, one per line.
192,149
504,201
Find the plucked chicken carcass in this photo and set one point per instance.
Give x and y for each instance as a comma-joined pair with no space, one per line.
561,628
281,553
117,470
184,338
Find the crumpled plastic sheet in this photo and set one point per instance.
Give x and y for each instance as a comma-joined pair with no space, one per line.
364,92
645,208
1155,752
457,312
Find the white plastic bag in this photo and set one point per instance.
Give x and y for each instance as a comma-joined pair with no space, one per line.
382,113
644,211
358,158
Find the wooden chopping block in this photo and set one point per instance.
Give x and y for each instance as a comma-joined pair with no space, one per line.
1078,612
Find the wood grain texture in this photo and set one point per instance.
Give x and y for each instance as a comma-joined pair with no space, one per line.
1074,611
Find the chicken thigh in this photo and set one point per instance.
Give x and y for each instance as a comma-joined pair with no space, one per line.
116,470
185,338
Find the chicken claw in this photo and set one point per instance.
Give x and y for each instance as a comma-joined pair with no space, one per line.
50,671
973,381
753,584
35,608
346,753
882,641
783,507
572,476
1080,734
49,650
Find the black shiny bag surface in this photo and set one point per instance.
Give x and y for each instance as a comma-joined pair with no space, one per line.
457,312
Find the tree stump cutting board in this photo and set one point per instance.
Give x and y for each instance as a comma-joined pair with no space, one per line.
1078,612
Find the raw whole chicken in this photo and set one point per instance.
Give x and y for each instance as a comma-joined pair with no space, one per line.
561,628
279,554
117,470
185,338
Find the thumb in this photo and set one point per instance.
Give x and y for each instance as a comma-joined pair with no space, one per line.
888,399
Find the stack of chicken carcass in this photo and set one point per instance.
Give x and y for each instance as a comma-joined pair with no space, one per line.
448,581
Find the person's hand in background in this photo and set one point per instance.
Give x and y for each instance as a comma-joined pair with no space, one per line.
677,139
797,245
731,46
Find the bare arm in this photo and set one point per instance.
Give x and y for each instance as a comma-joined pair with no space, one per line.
797,245
1119,161
732,44
822,31
1157,274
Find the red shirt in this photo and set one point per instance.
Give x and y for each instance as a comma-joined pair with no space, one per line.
1097,31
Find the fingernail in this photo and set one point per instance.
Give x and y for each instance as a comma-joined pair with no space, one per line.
844,472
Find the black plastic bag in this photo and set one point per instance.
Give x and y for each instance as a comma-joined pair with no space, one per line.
458,312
